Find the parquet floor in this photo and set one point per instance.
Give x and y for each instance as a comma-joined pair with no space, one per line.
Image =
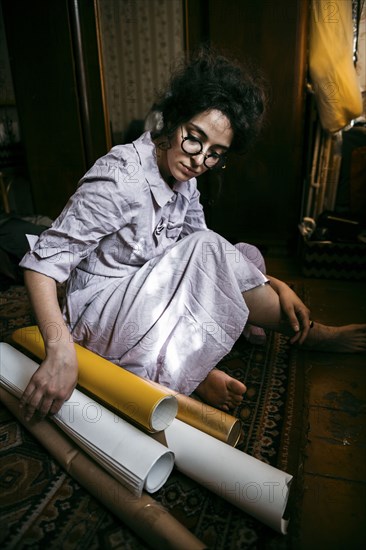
332,506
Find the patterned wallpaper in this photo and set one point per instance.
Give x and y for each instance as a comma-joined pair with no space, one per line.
141,39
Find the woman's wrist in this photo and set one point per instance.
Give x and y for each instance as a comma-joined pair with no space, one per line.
276,284
55,335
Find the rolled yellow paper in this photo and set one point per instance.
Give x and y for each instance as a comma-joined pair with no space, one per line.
134,397
149,406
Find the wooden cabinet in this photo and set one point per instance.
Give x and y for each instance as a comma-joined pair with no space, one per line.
53,52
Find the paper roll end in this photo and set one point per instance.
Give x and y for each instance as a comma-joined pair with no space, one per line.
164,413
159,472
234,434
284,526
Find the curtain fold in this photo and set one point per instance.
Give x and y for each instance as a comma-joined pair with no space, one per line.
333,75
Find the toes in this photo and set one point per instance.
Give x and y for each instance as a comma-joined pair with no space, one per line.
233,401
236,390
222,391
235,387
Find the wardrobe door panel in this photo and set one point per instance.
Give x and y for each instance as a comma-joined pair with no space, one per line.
261,192
45,53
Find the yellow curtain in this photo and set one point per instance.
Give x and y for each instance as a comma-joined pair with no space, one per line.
333,76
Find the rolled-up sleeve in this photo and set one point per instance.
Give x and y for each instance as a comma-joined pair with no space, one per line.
100,206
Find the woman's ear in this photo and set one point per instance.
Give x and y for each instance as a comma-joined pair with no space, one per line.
164,143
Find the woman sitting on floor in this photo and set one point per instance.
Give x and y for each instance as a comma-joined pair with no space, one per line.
149,287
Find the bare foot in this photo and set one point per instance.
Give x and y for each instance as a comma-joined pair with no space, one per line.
221,390
345,339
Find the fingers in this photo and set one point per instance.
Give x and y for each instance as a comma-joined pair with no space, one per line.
29,402
51,384
299,320
296,338
304,315
304,334
296,325
303,330
37,400
40,406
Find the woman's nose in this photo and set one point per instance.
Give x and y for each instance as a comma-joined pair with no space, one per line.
199,159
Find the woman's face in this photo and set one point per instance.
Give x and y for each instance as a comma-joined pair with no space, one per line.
212,129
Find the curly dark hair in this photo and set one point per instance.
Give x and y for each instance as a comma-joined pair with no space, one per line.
211,80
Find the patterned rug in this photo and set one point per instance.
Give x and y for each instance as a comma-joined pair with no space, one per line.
42,506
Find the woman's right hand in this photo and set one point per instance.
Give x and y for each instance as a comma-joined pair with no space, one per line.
55,379
52,383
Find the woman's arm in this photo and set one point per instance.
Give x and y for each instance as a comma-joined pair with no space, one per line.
296,312
56,377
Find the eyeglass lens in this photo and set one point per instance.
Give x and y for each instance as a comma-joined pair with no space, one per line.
194,147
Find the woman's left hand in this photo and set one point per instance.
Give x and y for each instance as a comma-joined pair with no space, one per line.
294,310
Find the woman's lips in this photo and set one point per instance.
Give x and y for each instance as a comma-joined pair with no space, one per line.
189,171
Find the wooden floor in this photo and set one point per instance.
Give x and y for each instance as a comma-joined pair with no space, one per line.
333,464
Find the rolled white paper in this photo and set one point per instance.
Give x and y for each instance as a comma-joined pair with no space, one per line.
253,486
132,457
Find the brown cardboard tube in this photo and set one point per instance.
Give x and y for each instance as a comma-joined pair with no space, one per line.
148,519
208,419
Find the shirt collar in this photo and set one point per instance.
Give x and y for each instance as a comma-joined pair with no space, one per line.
161,191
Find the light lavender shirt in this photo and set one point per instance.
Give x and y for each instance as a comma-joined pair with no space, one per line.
122,214
165,307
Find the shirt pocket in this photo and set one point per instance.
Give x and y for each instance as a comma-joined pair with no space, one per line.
173,230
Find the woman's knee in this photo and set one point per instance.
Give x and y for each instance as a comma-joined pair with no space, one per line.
212,244
253,254
212,247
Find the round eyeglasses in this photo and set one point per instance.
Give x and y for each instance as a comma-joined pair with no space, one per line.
193,146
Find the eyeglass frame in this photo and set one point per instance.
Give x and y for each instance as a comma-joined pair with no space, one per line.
221,158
